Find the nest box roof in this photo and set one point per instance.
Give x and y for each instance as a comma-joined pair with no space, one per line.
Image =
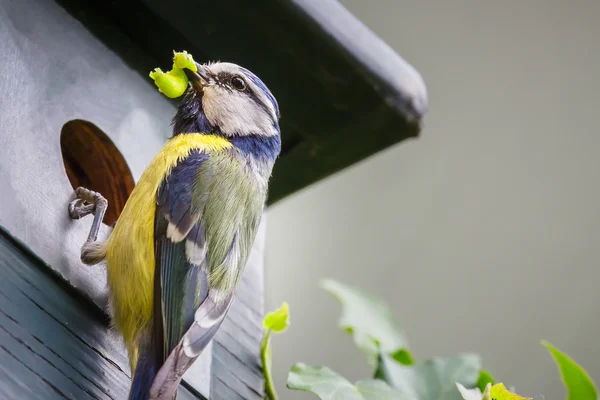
343,93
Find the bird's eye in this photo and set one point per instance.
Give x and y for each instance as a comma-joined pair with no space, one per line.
238,83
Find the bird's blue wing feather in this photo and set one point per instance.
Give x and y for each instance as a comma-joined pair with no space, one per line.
180,282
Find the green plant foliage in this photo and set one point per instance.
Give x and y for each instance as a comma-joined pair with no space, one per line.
397,376
328,385
499,392
496,392
579,384
276,321
474,394
370,321
434,379
483,380
403,357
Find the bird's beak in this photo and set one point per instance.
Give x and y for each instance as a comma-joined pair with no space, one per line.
200,77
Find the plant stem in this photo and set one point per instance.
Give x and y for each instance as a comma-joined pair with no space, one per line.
265,355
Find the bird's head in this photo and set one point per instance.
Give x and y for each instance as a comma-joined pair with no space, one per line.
226,99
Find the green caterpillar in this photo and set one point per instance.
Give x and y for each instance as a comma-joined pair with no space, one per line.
173,83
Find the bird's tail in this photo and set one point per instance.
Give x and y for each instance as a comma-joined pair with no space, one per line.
207,320
144,375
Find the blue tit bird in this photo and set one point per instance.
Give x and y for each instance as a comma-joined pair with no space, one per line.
178,249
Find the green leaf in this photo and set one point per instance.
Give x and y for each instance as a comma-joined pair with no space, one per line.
328,385
474,394
496,392
579,384
367,345
484,378
433,379
403,357
373,389
499,392
275,321
369,320
278,320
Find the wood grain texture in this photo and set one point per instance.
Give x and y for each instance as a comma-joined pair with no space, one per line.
53,344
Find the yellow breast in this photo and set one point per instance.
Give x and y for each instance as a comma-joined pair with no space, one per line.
130,255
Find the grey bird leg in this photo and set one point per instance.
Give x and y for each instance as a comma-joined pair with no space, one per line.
88,202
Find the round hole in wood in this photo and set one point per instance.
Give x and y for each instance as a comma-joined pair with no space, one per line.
93,161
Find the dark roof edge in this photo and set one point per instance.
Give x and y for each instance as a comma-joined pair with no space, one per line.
399,83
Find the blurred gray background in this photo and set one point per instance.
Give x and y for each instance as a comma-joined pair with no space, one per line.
483,234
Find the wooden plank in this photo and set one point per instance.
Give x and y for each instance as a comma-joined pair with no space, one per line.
53,343
58,339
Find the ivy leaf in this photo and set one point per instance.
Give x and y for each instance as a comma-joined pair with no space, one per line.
499,392
434,379
328,385
496,392
403,357
474,394
483,380
278,320
379,390
579,384
369,320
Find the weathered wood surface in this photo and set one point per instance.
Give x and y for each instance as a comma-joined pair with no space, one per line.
56,345
344,94
53,344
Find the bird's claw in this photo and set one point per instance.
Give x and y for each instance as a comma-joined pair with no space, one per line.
86,203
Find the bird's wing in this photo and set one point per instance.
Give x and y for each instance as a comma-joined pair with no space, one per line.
207,215
180,281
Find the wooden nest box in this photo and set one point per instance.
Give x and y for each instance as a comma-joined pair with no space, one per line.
78,108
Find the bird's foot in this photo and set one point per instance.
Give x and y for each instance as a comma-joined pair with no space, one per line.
87,202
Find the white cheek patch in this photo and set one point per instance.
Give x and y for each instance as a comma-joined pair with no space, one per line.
236,113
